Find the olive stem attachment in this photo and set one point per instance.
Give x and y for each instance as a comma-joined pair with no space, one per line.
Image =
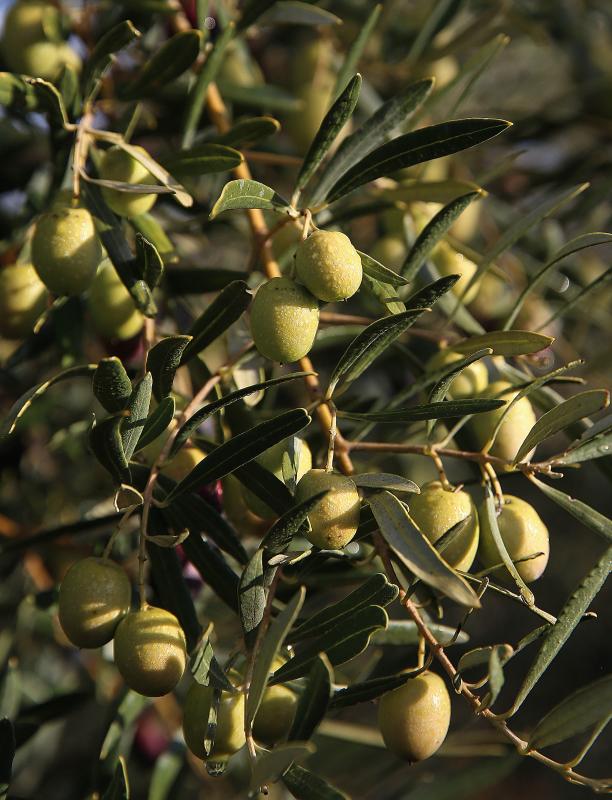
333,432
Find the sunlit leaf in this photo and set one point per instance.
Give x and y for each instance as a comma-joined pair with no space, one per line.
249,194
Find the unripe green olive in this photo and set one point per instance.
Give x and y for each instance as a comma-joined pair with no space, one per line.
66,251
236,510
276,713
335,519
414,718
150,651
435,510
390,251
473,380
29,21
238,68
272,460
111,307
46,60
449,262
329,266
23,298
229,733
523,534
118,165
284,320
495,299
515,427
93,599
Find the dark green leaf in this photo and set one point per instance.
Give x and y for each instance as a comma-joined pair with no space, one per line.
16,94
595,442
127,711
252,597
151,229
166,771
446,410
106,444
138,407
203,159
370,690
279,537
273,763
101,57
571,614
157,422
416,552
241,449
264,97
293,12
225,309
163,360
599,282
50,100
416,147
403,632
441,387
172,59
576,713
356,50
148,264
305,785
248,131
505,343
383,293
313,701
379,272
213,568
333,122
433,232
581,511
244,193
385,480
119,788
252,10
111,384
195,280
266,486
206,670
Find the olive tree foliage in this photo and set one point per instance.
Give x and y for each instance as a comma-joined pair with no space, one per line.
197,437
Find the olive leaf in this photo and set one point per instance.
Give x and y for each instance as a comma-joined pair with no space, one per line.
101,57
244,193
356,50
138,408
205,668
225,309
105,441
314,700
248,131
385,480
171,60
505,343
157,422
305,785
371,689
293,12
429,411
203,159
252,597
148,263
290,524
595,442
273,763
119,787
597,522
111,384
374,269
163,360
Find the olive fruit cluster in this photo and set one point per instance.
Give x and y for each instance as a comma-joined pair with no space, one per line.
66,250
285,313
23,298
149,644
32,42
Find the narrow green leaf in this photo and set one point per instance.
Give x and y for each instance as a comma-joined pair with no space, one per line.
119,788
433,232
305,785
383,293
385,480
415,551
370,690
172,59
101,57
213,568
592,519
166,771
279,537
241,449
265,97
106,444
374,132
248,131
111,384
333,122
557,419
163,360
50,100
148,264
16,94
446,410
293,12
379,272
20,406
252,10
249,194
411,191
202,414
157,422
272,642
252,597
356,50
138,407
206,670
581,710
195,280
595,442
440,388
203,159
578,298
266,486
313,701
127,711
403,632
571,614
505,343
270,766
225,309
416,147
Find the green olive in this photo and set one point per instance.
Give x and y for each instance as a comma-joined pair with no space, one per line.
111,307
47,59
284,320
229,734
236,510
436,510
471,381
449,262
29,21
312,80
238,68
390,251
66,251
23,298
414,718
335,519
523,534
515,427
118,165
495,299
272,460
93,599
150,651
329,266
276,713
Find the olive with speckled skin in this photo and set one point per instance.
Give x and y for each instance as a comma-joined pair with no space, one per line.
66,251
284,320
119,165
329,266
335,519
515,427
229,732
523,534
471,381
414,718
435,510
23,298
93,599
112,310
150,651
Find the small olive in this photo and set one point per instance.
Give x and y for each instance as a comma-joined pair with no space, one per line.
112,310
93,599
335,519
329,266
389,251
272,460
523,534
284,320
119,165
229,734
435,510
23,298
150,651
276,713
471,381
449,262
515,427
66,250
414,718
